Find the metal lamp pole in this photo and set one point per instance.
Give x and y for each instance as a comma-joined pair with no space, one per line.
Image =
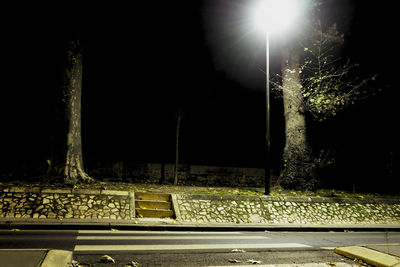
268,132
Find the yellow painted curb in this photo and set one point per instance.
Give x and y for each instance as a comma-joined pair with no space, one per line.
368,256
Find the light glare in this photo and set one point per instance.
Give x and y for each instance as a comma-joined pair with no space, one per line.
275,16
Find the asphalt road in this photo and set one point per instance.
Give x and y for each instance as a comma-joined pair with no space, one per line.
162,248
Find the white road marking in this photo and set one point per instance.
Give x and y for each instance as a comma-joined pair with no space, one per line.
322,264
111,237
185,247
122,232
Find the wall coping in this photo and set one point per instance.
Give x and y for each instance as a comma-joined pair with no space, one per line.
292,199
41,190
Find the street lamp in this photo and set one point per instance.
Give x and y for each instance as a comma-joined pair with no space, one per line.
272,17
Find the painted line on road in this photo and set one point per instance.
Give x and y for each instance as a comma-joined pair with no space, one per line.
122,232
185,247
110,237
314,264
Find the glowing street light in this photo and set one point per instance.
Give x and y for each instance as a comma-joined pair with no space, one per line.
273,17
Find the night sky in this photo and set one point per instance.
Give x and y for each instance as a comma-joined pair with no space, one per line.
144,62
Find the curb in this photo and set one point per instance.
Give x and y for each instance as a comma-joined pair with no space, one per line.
173,225
57,258
369,256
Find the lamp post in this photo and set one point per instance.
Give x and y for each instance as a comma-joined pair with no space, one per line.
272,16
267,181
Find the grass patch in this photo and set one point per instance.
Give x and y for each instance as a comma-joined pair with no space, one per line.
180,189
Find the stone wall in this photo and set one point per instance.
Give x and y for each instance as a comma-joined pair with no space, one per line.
18,202
48,203
286,210
187,174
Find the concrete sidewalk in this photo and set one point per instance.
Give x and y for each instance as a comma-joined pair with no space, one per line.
35,258
375,255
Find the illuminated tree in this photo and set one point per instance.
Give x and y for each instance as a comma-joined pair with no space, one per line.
298,166
66,164
314,80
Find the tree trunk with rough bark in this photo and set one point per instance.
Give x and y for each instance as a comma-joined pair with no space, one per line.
178,126
66,165
298,167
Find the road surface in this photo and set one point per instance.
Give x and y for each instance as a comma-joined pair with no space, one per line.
173,248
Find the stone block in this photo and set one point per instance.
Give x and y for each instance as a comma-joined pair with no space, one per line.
17,189
86,191
114,193
56,190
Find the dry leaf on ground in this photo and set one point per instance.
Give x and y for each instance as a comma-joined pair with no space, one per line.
133,264
253,262
107,259
238,250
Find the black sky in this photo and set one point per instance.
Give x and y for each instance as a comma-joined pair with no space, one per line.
145,61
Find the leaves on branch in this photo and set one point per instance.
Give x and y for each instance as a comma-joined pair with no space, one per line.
328,84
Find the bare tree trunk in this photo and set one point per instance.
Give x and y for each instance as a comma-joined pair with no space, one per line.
297,173
67,162
178,126
162,173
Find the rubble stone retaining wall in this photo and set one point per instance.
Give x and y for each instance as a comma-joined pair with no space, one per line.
287,210
17,202
48,203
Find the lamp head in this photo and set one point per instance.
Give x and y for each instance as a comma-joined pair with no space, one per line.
275,16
